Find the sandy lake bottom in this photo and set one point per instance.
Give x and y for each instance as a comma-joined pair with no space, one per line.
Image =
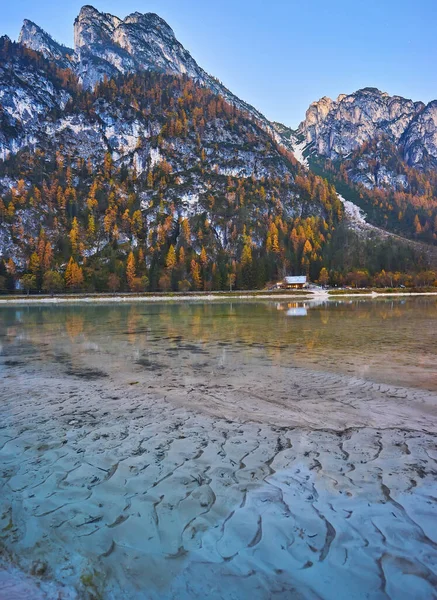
222,451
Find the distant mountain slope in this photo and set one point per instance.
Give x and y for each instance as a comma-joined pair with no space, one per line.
384,150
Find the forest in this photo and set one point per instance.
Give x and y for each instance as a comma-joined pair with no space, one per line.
205,199
394,195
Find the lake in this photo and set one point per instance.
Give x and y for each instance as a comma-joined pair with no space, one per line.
222,450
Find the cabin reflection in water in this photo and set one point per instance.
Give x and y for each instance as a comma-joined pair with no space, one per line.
294,309
298,311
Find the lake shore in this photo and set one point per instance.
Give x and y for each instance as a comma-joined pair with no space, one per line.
204,297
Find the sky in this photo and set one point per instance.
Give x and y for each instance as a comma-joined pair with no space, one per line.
284,54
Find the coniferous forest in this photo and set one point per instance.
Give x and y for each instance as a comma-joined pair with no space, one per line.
155,183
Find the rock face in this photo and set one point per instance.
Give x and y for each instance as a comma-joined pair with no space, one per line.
37,39
105,46
420,139
27,96
140,42
334,129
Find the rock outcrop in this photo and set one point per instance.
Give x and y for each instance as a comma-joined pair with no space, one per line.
334,129
35,38
106,46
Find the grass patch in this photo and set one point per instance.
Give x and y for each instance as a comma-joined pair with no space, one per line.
349,292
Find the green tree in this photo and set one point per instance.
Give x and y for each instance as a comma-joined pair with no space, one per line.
28,283
52,282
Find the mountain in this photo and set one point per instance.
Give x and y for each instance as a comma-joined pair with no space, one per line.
124,165
380,151
336,128
37,39
106,46
124,161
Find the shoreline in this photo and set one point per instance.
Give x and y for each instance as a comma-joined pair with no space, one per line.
207,297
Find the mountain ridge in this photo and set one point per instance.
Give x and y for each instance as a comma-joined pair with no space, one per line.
126,161
105,46
335,128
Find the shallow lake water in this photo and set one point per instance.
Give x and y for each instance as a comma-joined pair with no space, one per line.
393,341
220,450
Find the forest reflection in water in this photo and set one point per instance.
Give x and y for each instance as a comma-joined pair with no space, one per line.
390,341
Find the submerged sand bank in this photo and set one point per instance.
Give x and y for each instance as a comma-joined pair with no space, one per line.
275,482
170,297
206,297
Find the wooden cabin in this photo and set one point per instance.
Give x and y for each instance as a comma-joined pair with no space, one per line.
294,282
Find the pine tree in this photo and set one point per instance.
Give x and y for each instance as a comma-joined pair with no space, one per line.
137,223
195,275
48,257
246,255
74,235
181,257
203,257
34,264
91,231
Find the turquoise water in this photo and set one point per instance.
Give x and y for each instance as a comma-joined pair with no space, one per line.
219,450
391,341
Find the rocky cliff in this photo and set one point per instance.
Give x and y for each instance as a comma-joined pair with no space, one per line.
336,128
380,150
106,46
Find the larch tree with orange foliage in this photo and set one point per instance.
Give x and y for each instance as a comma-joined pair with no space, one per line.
73,275
130,270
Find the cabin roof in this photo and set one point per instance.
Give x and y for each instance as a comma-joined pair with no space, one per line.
290,280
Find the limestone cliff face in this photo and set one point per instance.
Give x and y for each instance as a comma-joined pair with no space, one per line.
337,128
35,38
106,46
420,139
139,42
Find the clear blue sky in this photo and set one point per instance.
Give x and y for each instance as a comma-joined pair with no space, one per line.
283,54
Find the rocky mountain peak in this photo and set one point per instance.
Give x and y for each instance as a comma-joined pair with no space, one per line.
371,91
93,27
151,21
337,128
29,31
107,45
34,37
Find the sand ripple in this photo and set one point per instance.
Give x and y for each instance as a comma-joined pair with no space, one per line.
294,485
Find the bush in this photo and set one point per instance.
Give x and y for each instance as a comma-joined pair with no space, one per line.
184,285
